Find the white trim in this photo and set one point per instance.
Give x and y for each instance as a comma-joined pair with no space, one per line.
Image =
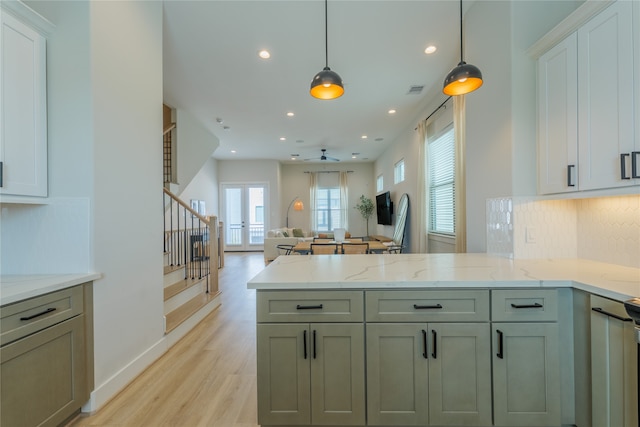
571,23
111,387
29,16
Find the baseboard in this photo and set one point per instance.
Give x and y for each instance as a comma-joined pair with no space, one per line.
107,390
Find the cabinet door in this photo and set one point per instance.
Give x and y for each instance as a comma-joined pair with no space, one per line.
459,374
558,118
526,374
337,374
23,127
397,374
614,375
283,374
42,379
605,97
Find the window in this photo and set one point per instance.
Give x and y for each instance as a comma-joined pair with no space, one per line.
441,153
379,183
398,172
328,208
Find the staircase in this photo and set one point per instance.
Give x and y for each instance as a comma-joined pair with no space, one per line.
190,266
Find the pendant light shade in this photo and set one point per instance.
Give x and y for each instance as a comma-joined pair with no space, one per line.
464,78
326,84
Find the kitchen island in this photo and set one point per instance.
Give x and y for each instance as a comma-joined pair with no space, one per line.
426,339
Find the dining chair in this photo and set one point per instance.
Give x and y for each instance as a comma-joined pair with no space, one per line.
323,249
284,249
355,248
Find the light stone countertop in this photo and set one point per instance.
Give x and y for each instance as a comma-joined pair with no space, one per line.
445,271
20,287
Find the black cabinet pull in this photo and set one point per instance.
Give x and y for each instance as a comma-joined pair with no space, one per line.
634,164
615,316
308,307
623,166
500,344
33,316
434,338
570,169
314,344
1,174
304,340
424,344
536,305
426,307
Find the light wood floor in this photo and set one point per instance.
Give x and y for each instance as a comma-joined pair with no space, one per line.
209,377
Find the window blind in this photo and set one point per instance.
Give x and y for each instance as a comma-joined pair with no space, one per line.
442,183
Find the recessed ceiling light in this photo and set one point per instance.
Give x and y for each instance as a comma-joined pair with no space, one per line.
282,138
364,137
264,54
353,157
290,114
392,111
233,151
430,49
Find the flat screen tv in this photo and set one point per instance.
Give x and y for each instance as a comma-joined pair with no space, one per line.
384,208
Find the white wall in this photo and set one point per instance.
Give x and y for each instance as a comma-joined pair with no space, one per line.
195,145
295,182
204,186
126,77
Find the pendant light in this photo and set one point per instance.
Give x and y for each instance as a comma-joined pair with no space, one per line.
326,84
464,78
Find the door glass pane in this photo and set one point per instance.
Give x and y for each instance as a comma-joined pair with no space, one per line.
233,216
256,215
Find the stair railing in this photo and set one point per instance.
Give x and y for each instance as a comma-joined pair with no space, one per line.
191,240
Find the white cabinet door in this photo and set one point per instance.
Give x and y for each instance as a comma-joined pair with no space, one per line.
605,98
23,125
558,118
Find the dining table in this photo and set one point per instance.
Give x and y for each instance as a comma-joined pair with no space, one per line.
374,246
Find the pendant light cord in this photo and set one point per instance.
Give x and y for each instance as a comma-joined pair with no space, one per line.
326,36
461,53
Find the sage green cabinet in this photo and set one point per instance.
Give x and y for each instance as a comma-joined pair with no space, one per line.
310,357
45,362
526,359
311,374
614,368
429,374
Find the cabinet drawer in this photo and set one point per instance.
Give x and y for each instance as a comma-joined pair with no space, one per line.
309,306
524,305
428,306
26,317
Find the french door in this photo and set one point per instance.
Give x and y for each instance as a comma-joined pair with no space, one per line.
245,210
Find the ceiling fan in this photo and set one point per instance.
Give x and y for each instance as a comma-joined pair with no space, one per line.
323,157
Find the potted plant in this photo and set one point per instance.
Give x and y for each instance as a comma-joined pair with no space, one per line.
366,208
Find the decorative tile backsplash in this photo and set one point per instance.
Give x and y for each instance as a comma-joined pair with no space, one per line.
605,229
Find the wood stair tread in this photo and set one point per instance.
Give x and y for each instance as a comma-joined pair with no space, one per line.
170,268
182,313
177,287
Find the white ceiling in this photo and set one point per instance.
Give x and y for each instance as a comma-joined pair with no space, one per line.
212,70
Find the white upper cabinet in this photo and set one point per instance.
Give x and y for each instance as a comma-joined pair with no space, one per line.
558,117
588,136
605,98
23,109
